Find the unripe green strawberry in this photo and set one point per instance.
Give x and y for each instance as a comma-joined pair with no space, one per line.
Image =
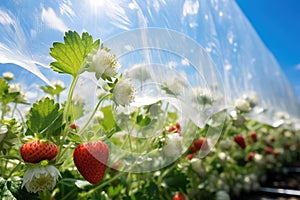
36,151
90,159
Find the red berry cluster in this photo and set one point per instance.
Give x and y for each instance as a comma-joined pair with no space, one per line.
199,144
174,128
90,158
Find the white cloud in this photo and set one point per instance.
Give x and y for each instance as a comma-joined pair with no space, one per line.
297,67
65,9
190,8
52,20
5,19
31,95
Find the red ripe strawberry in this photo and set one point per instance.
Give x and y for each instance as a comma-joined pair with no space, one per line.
240,140
276,152
251,156
179,196
190,156
173,129
178,126
90,159
287,145
74,126
37,151
201,143
253,136
268,150
193,149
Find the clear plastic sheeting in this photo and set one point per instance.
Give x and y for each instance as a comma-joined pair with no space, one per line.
205,47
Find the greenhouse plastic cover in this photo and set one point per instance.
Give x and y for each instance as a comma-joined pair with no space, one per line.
203,47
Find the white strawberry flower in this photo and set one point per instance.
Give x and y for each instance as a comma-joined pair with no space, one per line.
58,83
252,99
225,144
175,85
224,157
14,88
40,178
8,76
242,105
98,116
222,195
258,158
123,93
198,166
104,64
3,131
173,147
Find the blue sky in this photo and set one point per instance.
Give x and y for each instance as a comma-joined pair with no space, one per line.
277,22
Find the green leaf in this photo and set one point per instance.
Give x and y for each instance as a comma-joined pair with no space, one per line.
3,88
12,190
52,91
108,121
43,115
74,138
70,55
143,121
77,110
176,181
114,191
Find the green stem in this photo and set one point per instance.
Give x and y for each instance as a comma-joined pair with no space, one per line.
22,117
69,99
14,109
57,98
3,109
105,183
15,169
64,151
69,193
93,113
66,114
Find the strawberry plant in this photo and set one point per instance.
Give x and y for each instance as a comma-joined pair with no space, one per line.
65,147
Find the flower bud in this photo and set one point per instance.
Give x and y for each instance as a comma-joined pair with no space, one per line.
8,76
242,105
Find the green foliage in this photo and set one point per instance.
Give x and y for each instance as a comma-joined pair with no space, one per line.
3,89
176,181
77,109
7,96
71,54
45,117
11,190
52,90
108,122
11,137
